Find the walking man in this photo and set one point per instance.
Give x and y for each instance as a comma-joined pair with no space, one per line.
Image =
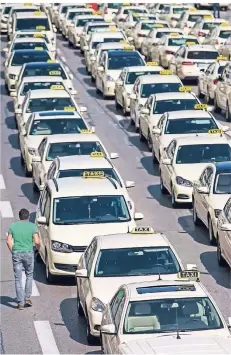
216,10
20,239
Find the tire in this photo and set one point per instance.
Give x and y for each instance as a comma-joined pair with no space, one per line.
227,114
90,338
116,104
125,113
101,343
200,95
163,189
21,159
221,261
34,186
49,276
142,138
212,238
217,109
97,91
79,307
149,142
173,199
196,219
92,79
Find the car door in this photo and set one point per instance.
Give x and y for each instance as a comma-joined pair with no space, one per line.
211,75
227,236
51,172
120,88
223,89
180,58
168,169
117,319
173,61
44,206
37,166
23,138
100,74
156,138
203,79
203,199
132,101
146,117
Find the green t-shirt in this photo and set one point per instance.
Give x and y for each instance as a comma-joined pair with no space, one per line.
22,233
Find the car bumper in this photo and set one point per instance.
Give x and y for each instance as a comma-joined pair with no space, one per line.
77,41
187,74
3,28
63,264
95,319
183,194
11,84
28,160
109,88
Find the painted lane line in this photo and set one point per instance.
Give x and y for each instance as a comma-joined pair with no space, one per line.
46,337
35,291
2,183
6,209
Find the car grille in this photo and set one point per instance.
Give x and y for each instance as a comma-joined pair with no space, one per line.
66,267
79,249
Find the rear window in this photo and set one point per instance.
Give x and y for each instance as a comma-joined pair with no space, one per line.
81,22
202,55
119,62
138,11
225,34
29,45
194,18
107,40
6,10
32,24
65,8
22,58
209,25
181,41
147,26
45,70
178,10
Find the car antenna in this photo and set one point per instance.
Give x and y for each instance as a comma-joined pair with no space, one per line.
177,326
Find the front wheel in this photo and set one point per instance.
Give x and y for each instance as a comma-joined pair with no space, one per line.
49,276
228,113
90,338
221,261
212,238
196,219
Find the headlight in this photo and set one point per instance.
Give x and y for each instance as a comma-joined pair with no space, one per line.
61,247
140,106
31,151
97,305
128,95
109,78
183,182
12,76
217,213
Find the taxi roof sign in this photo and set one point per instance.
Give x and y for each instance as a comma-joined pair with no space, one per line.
192,275
192,9
86,131
38,35
97,155
56,87
224,24
51,61
97,12
55,72
166,72
201,106
123,41
215,131
38,48
142,230
152,63
158,25
93,174
222,58
69,109
40,27
174,34
190,43
37,13
185,89
128,48
126,4
27,4
208,17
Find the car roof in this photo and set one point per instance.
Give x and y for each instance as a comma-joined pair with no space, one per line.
201,47
46,93
143,68
174,95
28,39
132,288
194,140
83,162
42,64
78,137
121,52
56,115
31,14
108,34
32,79
156,78
130,240
189,113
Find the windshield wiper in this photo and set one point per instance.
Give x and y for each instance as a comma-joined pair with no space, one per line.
66,223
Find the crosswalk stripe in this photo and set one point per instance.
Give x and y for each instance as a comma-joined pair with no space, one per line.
35,291
46,337
6,209
2,183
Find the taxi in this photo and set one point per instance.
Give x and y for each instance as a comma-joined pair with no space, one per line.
190,17
4,17
167,47
224,235
50,68
142,30
196,152
69,17
190,60
42,124
61,11
159,103
76,28
52,10
34,34
110,9
204,25
151,84
222,99
174,124
124,84
218,35
225,49
83,143
17,8
207,81
210,194
71,211
125,10
152,40
111,65
112,35
172,13
26,43
15,61
46,100
154,308
70,166
132,19
138,256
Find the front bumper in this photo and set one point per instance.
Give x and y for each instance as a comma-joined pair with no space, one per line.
183,194
11,84
3,27
109,88
63,264
95,319
189,74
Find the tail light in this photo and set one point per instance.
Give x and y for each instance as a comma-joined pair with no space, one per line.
187,63
200,33
123,19
185,25
217,42
105,11
215,82
169,52
173,18
141,35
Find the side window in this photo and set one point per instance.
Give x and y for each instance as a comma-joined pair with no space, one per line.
202,178
209,177
27,125
183,52
51,171
119,312
101,59
116,302
227,210
43,199
41,148
90,254
149,104
47,208
209,70
161,123
171,149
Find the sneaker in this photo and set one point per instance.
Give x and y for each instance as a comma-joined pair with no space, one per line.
20,307
28,303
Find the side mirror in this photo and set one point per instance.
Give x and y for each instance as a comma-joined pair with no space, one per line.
5,50
119,83
191,267
82,109
93,129
71,76
226,227
138,216
225,128
18,111
108,329
42,220
130,184
23,131
81,273
85,48
156,131
55,30
36,159
133,96
100,69
13,94
114,155
229,322
167,161
203,190
93,58
145,111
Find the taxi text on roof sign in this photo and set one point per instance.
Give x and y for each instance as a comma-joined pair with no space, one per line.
166,72
185,89
40,27
142,230
86,131
126,4
123,41
69,108
51,61
97,155
189,275
190,43
222,58
152,64
93,174
192,9
38,35
55,72
201,107
38,48
28,4
215,131
128,48
158,25
225,24
208,17
175,34
56,87
97,13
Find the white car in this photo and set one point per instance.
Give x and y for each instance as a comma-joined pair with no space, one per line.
151,84
210,194
119,259
14,63
46,100
203,26
110,9
222,96
190,60
125,10
4,17
42,124
224,235
19,9
132,19
190,17
195,152
111,64
142,29
34,34
26,43
69,17
76,28
218,35
167,47
207,81
142,309
225,49
172,13
61,11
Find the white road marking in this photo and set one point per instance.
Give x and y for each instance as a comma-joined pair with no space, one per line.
46,337
6,209
2,183
35,291
119,118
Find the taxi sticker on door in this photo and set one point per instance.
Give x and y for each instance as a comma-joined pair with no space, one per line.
185,89
97,155
93,174
201,107
215,131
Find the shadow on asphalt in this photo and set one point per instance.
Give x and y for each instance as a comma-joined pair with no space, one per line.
14,141
155,193
82,71
3,90
10,122
7,301
199,234
93,93
142,146
10,106
88,82
27,190
15,165
148,165
40,276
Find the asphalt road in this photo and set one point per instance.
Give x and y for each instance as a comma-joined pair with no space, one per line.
52,324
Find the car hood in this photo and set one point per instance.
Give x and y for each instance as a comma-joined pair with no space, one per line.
190,172
34,141
129,88
15,70
114,73
218,201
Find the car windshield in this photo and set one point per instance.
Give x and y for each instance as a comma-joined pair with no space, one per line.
171,314
160,34
65,8
32,23
147,25
49,104
20,58
6,10
137,11
131,77
223,183
107,40
178,10
181,41
203,55
194,18
38,86
116,62
72,14
79,172
203,153
189,125
174,105
149,89
225,34
81,22
64,149
29,45
50,69
209,25
57,126
94,28
114,5
90,209
32,35
136,262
